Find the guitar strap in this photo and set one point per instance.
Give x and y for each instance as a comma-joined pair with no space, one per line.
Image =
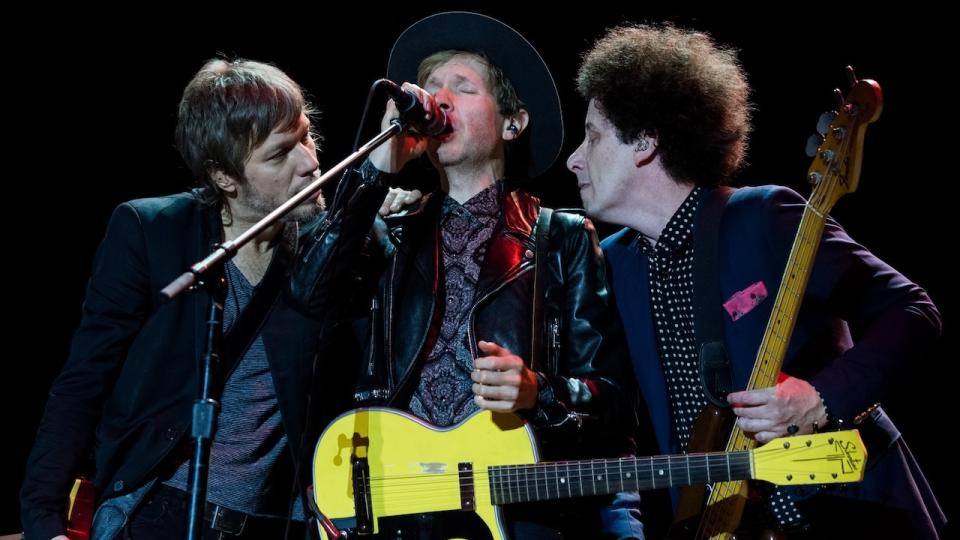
247,326
538,330
714,364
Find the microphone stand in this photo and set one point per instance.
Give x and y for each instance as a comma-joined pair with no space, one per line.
205,408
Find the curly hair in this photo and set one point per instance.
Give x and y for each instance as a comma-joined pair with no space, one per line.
676,85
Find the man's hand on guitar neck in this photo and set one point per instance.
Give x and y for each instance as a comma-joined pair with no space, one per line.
501,381
766,413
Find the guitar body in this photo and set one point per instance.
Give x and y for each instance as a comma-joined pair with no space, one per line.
402,452
710,434
80,512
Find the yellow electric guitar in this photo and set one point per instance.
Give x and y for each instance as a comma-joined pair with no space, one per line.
375,463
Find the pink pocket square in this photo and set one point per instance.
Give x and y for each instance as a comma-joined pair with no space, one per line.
743,301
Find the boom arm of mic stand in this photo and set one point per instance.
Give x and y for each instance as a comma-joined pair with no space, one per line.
226,250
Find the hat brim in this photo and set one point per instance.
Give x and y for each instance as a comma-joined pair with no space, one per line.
505,47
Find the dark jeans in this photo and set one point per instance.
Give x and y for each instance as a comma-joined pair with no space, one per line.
163,516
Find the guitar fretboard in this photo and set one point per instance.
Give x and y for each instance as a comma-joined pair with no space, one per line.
564,479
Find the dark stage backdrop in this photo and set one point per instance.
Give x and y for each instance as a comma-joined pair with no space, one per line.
90,102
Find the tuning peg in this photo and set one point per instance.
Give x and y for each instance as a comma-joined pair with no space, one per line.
838,95
823,123
813,143
851,76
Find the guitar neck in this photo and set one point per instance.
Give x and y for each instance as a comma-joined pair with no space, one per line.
776,338
566,479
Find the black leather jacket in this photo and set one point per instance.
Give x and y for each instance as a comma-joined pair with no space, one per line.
586,393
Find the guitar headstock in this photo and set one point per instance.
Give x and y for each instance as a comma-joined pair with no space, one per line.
835,170
820,458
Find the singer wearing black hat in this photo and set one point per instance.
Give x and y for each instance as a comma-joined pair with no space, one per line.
479,298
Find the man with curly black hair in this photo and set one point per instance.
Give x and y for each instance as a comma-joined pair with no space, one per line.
667,124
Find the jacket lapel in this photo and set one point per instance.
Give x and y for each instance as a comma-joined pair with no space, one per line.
512,244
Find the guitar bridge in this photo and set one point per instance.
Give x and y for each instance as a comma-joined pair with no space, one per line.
362,505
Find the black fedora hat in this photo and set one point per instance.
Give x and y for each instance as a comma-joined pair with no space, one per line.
505,47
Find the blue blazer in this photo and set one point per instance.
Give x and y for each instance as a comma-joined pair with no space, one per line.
850,292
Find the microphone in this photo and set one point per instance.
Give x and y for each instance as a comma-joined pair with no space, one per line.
414,112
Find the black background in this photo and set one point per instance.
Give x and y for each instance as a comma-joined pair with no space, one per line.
91,100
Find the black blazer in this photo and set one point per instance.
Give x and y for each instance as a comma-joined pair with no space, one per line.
128,386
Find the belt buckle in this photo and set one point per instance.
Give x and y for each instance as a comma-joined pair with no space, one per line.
224,520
